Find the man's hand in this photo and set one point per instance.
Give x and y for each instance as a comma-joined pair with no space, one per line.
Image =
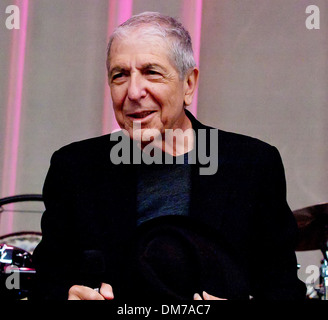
85,293
206,296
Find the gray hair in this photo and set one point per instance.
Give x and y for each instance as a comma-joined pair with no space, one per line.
157,24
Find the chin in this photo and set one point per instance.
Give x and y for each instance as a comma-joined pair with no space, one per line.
151,134
145,135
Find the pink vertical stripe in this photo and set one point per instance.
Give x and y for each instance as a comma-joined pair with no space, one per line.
124,11
191,17
107,104
14,106
118,12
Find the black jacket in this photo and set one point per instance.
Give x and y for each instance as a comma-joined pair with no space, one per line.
238,240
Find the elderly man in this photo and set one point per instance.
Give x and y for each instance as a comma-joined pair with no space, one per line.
132,215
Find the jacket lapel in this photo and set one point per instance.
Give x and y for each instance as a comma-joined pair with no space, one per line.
210,194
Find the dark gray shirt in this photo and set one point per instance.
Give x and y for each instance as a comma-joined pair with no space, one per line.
163,189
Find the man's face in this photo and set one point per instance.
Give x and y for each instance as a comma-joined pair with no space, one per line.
145,86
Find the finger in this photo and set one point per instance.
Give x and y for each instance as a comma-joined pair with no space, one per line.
106,291
83,293
197,297
210,297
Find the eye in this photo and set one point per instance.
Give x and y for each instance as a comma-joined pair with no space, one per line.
117,75
153,73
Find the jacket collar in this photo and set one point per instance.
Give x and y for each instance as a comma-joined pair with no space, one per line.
194,122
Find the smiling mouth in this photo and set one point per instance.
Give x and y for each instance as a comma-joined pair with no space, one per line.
140,115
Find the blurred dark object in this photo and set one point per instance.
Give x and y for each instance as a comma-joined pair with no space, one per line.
16,266
313,227
313,235
16,273
20,198
92,268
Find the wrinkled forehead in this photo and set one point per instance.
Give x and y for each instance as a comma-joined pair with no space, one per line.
146,35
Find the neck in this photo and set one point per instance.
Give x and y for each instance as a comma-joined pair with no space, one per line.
174,141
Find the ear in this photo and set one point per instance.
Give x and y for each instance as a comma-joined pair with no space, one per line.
190,84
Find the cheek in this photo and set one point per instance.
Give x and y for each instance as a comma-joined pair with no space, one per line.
171,107
118,103
117,98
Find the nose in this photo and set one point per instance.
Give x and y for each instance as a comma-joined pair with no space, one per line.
136,89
